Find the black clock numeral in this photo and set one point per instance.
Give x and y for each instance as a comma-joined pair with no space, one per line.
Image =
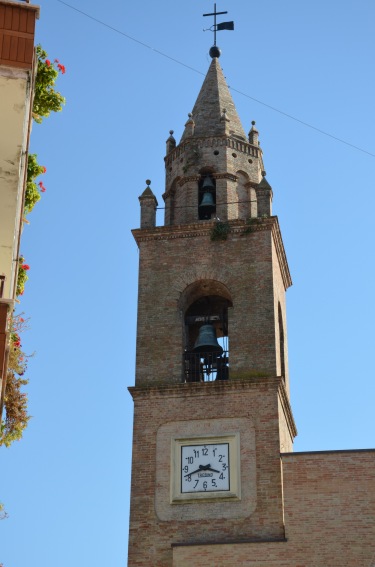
214,451
221,476
186,468
196,483
196,453
213,482
188,478
221,457
190,460
224,467
205,485
205,451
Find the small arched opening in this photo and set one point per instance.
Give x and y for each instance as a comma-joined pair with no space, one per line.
206,195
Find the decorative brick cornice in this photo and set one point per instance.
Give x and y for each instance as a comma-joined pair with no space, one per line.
280,251
186,179
194,389
216,141
204,228
225,175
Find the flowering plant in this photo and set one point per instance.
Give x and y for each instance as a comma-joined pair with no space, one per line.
32,193
46,98
15,401
22,275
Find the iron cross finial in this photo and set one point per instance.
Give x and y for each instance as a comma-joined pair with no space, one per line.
218,27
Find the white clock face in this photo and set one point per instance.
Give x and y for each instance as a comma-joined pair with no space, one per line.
205,468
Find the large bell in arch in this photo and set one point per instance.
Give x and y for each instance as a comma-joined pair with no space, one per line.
207,341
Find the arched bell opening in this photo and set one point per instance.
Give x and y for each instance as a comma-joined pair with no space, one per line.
206,196
206,356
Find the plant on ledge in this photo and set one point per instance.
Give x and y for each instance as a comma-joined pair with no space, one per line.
220,231
15,402
46,98
33,190
22,275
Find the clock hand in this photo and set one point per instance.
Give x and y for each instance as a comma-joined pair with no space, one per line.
210,469
201,468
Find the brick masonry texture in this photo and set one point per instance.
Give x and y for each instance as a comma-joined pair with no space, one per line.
329,511
250,407
246,264
295,510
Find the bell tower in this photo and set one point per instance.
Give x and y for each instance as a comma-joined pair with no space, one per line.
211,396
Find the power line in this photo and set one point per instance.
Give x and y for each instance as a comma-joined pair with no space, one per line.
304,123
130,37
290,116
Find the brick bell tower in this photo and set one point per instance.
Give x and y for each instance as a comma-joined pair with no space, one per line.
211,397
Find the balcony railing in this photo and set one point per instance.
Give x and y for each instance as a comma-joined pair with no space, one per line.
205,366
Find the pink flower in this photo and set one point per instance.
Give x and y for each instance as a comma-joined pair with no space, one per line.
61,68
25,267
48,62
42,188
44,169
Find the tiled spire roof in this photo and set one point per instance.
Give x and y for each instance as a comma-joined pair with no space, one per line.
214,113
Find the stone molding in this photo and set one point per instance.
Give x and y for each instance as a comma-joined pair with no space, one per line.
204,229
285,403
193,389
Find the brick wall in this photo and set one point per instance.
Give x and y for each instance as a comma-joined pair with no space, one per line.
249,407
172,258
329,506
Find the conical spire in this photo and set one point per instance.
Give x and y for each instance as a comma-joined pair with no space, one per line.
214,113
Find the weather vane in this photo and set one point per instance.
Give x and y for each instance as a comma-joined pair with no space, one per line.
215,51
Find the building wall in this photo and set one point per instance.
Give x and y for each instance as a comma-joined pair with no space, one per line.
17,28
171,259
329,507
160,414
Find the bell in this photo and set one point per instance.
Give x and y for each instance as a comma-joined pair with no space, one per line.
207,341
207,205
208,184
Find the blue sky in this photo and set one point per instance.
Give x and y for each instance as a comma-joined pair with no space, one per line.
66,484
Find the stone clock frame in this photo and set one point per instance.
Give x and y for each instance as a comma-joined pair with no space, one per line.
230,490
171,504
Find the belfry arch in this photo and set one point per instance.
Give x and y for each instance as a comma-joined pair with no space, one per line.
205,305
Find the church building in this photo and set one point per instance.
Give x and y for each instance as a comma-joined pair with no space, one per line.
215,481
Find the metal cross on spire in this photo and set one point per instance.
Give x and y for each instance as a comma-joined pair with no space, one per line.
218,27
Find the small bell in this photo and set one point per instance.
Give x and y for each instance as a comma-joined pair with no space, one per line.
207,206
208,184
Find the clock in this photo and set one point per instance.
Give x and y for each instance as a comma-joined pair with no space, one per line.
205,468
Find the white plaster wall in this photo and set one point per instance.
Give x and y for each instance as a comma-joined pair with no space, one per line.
14,120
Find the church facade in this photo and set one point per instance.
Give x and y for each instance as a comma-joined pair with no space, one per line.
215,481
